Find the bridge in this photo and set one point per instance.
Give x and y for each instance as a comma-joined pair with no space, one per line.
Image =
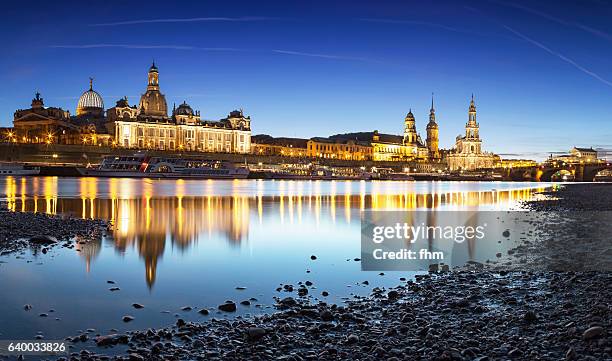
581,172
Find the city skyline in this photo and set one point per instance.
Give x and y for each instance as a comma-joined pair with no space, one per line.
538,73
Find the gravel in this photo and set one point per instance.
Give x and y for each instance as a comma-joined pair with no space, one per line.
42,232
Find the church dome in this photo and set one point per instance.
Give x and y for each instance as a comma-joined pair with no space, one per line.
90,102
409,116
184,109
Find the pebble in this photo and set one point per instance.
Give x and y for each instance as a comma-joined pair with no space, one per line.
593,332
255,333
228,307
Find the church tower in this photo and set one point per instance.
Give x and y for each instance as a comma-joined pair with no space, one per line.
432,133
471,128
472,142
410,133
153,102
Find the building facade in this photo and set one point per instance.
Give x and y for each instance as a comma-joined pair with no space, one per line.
263,144
339,149
146,126
150,127
468,153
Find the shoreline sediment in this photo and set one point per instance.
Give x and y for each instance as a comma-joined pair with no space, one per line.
22,230
537,303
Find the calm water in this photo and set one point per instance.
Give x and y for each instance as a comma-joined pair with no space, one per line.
182,243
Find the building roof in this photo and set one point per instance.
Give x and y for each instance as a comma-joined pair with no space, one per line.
90,99
340,141
183,109
367,137
281,141
585,149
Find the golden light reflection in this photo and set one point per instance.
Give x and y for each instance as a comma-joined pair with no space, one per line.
146,222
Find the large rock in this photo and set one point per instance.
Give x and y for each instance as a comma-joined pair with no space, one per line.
43,239
255,333
593,332
228,306
110,340
326,315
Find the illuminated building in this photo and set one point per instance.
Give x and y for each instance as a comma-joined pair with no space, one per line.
468,154
516,163
387,147
339,149
577,155
432,134
149,126
40,124
90,103
50,125
585,153
263,144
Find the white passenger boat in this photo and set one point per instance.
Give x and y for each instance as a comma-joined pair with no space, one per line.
18,169
144,166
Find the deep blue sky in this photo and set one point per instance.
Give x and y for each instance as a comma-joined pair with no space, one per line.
540,70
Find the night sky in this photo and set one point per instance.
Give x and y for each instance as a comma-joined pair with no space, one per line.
540,71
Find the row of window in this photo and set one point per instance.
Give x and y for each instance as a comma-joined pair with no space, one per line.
188,134
339,147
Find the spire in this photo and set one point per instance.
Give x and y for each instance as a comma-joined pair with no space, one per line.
432,103
90,83
472,105
432,114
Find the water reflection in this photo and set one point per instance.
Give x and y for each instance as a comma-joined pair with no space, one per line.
152,215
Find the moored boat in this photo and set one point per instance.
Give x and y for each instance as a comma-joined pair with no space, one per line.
144,166
7,169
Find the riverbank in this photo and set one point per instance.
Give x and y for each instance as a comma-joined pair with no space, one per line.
514,309
41,232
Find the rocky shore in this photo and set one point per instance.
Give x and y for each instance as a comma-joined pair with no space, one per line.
548,299
41,232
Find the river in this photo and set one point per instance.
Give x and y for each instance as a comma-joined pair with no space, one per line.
191,243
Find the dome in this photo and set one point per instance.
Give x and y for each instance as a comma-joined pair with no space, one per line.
184,109
90,102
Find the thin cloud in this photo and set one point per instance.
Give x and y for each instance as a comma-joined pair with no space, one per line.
555,19
324,56
558,55
137,46
431,25
185,20
413,22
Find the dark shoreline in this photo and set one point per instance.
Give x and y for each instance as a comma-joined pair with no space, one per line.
41,232
515,309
